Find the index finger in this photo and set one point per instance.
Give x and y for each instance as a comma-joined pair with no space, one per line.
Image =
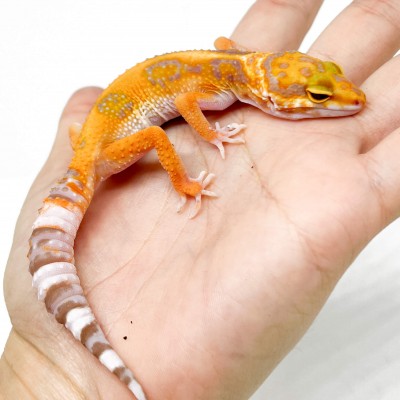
272,25
362,38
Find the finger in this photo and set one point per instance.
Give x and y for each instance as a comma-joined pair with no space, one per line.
76,109
362,37
383,165
265,26
381,115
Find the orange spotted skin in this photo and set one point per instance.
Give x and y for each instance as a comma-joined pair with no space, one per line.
184,83
124,124
143,97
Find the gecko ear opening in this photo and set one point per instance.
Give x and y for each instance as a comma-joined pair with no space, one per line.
317,95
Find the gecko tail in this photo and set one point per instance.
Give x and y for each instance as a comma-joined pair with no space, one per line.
52,266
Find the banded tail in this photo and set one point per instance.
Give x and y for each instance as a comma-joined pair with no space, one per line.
51,257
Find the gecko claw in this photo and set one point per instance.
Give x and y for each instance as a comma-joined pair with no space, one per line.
197,205
220,146
224,135
209,193
207,180
181,203
204,180
230,129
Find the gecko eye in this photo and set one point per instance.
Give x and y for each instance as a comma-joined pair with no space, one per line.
318,96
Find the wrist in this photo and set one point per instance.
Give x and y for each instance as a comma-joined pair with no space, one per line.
27,373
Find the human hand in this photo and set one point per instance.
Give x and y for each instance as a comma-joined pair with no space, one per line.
216,302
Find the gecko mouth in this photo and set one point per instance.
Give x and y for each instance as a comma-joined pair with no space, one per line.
333,111
317,112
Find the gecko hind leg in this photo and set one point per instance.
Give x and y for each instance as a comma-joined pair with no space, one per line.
124,152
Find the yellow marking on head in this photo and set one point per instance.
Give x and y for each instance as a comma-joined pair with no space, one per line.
333,68
295,85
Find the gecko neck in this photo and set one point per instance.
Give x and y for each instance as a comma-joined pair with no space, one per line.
253,89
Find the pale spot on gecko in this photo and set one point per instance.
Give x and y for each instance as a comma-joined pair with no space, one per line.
306,72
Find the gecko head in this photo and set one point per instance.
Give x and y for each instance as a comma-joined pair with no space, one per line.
297,86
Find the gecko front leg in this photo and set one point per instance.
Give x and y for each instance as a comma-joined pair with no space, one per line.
223,43
190,106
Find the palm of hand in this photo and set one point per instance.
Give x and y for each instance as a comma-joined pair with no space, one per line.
197,292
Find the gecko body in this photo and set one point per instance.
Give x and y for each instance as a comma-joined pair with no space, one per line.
124,124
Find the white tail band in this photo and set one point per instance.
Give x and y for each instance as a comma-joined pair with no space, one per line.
55,222
77,319
46,283
52,269
52,210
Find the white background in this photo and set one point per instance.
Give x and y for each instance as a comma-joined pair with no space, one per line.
48,49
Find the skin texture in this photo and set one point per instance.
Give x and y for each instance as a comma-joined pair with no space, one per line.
217,302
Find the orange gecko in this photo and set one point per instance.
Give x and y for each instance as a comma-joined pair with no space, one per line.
124,124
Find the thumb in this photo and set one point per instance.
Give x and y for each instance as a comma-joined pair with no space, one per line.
17,280
76,110
41,350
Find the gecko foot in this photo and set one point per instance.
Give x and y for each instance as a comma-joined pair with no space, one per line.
204,179
224,135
